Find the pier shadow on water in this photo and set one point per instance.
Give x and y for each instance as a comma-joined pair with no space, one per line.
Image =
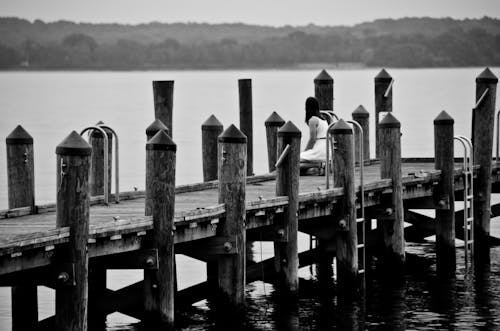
415,300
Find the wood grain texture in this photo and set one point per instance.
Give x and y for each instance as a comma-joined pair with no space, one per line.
246,118
346,237
73,203
445,192
287,184
482,139
159,285
390,167
163,98
232,172
97,162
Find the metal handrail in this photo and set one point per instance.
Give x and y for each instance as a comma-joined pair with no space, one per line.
389,88
481,98
328,165
498,135
468,165
331,115
106,156
117,167
361,181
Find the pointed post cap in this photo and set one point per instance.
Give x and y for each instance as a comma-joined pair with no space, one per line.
155,127
161,142
289,130
487,76
341,127
19,136
274,120
444,119
389,121
212,123
383,76
323,77
74,144
360,112
232,135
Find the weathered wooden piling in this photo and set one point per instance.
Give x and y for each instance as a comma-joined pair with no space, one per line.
445,194
346,226
21,193
210,131
323,90
483,121
390,167
159,285
286,258
97,164
72,210
246,120
273,123
163,96
383,102
154,127
232,156
362,116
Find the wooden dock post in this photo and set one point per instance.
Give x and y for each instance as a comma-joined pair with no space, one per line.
154,127
163,96
273,123
97,164
210,130
362,116
246,121
323,90
97,274
346,226
72,210
232,154
159,285
445,195
482,140
383,103
21,193
286,258
390,167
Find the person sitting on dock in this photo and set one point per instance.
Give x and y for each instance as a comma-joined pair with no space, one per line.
314,155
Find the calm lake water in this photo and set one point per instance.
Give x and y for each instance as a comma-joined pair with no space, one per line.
50,105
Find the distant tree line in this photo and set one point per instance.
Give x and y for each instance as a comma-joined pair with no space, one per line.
455,47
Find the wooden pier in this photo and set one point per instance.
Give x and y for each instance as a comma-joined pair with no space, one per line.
69,245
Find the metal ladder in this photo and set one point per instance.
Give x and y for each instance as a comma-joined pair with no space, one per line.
100,127
360,222
468,175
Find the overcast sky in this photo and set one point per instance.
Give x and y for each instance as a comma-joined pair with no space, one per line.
262,12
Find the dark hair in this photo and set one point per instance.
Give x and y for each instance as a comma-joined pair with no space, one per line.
312,109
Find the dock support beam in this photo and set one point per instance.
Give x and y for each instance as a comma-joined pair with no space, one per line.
390,167
362,116
345,222
159,285
273,123
232,156
323,90
286,258
210,130
445,195
21,193
163,96
246,121
72,210
383,103
97,163
483,119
